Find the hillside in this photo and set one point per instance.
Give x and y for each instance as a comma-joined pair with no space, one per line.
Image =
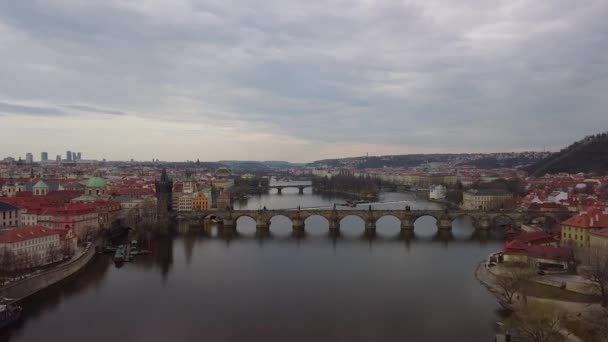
587,155
479,160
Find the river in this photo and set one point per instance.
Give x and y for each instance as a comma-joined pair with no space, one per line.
280,288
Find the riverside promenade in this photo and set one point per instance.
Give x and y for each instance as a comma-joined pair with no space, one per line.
24,288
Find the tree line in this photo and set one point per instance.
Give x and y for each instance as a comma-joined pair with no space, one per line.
361,186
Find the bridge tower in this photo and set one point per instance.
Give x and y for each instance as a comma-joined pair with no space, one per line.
164,189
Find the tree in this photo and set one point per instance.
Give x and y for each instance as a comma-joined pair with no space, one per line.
514,280
54,253
7,262
67,250
538,323
595,268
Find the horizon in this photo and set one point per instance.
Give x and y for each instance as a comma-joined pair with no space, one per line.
53,161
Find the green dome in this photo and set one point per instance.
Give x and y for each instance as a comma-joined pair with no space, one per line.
40,184
96,182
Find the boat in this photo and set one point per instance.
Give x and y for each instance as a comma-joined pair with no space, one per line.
119,256
9,314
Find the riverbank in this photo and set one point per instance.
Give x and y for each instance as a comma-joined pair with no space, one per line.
574,307
21,289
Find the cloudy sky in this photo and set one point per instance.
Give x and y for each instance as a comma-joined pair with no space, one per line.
299,80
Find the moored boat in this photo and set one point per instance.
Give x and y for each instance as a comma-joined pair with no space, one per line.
120,254
9,314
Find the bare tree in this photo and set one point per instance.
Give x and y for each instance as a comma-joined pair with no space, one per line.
54,252
7,263
514,280
538,323
595,268
67,250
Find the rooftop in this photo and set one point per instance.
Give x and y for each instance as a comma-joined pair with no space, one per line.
28,233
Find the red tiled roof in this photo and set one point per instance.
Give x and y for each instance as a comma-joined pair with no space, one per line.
28,233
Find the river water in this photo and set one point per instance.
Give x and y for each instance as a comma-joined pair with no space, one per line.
280,288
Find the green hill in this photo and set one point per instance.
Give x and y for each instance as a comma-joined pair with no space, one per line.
587,155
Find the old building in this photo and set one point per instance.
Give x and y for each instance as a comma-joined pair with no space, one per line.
34,246
487,200
200,202
9,215
599,239
83,218
164,189
577,229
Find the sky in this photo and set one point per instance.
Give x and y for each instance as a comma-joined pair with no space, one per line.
299,80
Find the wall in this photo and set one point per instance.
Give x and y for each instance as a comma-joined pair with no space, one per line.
27,287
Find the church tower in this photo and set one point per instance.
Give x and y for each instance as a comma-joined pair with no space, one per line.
164,188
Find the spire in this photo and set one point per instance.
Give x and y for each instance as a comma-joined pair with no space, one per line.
163,176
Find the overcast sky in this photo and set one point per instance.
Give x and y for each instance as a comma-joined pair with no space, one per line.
299,80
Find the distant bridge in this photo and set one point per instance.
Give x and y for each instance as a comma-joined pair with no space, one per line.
280,187
444,217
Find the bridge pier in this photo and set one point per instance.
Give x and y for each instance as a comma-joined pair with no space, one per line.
301,190
279,190
298,225
484,223
334,227
262,225
444,224
228,225
407,227
370,228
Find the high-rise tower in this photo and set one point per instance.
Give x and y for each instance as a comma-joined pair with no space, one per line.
164,189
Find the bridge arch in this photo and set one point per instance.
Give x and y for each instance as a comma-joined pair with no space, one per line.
464,225
463,216
245,224
316,224
388,225
501,220
280,224
352,225
541,218
426,225
237,217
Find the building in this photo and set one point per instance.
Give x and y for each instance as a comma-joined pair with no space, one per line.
164,190
184,202
487,199
40,189
95,188
68,156
83,218
36,246
9,216
29,158
577,229
79,156
599,239
200,202
224,200
58,158
44,157
223,173
438,192
543,256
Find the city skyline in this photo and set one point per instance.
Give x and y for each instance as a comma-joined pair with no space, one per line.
284,80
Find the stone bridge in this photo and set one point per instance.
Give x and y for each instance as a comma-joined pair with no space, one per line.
280,188
481,219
